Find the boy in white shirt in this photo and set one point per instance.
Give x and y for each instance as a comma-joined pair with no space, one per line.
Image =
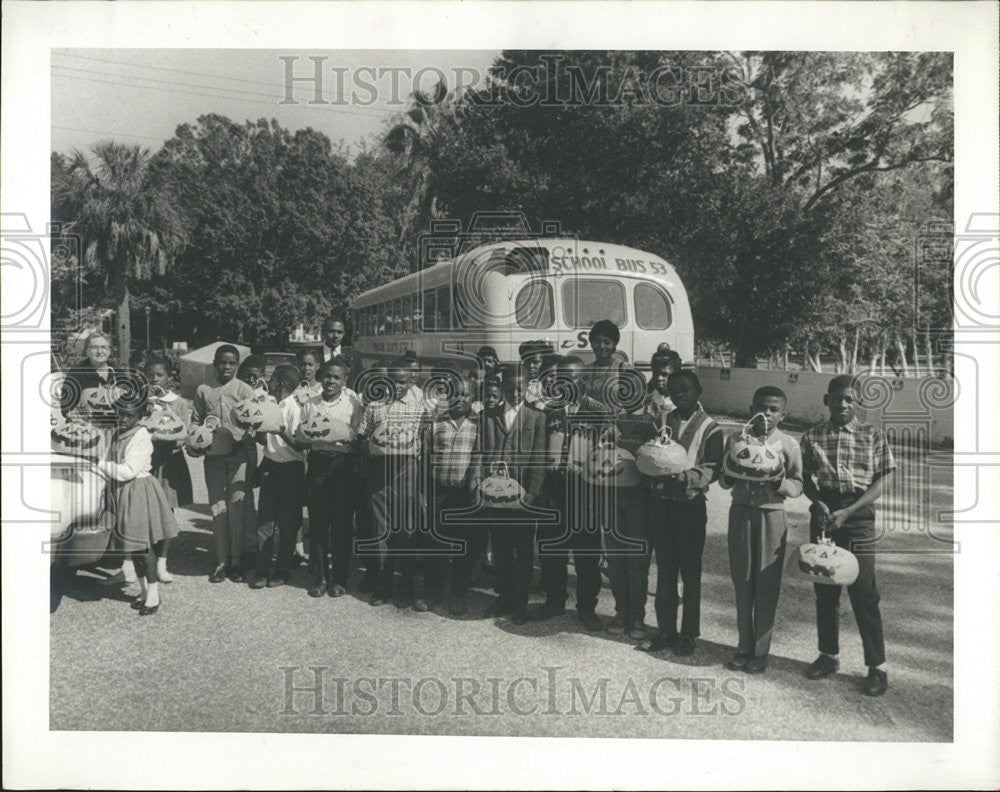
332,485
282,485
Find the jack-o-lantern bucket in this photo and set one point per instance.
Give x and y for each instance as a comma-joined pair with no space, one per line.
823,562
199,439
259,413
76,437
389,440
99,400
612,466
164,424
500,491
661,456
750,458
323,432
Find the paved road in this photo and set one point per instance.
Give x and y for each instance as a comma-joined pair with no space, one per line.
226,658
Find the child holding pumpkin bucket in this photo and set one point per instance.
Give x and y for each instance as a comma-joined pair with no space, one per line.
392,438
678,515
757,533
143,517
282,485
846,464
328,427
169,463
229,467
512,434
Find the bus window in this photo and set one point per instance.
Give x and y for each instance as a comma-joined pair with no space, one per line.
443,308
397,316
533,306
588,301
407,314
430,313
380,324
418,313
652,309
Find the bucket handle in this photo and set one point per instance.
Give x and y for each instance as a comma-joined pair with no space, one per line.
747,426
499,469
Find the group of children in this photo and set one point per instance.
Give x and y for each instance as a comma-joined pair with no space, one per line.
416,482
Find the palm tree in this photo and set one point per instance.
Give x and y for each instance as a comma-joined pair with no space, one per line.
127,225
411,142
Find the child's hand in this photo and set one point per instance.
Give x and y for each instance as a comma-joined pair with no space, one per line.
837,519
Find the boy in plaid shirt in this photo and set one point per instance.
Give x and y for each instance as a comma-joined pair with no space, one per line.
454,443
846,464
392,436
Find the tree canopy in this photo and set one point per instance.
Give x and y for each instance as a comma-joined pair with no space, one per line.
790,190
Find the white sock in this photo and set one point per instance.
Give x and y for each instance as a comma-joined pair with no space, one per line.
153,595
143,588
832,657
128,570
161,571
880,667
300,548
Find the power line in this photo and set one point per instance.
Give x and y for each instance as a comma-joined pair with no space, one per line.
349,111
105,132
193,73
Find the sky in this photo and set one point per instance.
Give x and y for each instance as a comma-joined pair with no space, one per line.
141,96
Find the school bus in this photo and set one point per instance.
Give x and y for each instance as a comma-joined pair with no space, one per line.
504,293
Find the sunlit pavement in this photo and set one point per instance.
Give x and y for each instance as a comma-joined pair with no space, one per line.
222,657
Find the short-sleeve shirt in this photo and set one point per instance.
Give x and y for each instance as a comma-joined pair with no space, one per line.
276,447
397,415
845,459
454,445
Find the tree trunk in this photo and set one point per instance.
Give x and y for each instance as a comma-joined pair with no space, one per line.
901,348
854,354
744,355
843,363
124,328
929,352
785,359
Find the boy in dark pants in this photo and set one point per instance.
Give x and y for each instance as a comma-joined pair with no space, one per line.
757,534
392,437
678,516
331,484
574,424
513,432
282,486
456,540
846,464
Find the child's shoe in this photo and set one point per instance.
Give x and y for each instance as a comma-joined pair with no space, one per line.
161,571
617,625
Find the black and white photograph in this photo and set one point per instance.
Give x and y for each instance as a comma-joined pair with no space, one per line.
470,395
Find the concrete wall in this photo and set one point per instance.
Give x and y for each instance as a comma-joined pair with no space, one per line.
895,404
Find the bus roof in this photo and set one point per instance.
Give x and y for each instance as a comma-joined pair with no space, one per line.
552,255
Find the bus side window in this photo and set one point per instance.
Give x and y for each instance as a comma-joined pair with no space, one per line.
380,322
397,316
418,312
443,308
430,313
406,314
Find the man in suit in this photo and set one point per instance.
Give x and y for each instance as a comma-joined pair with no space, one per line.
513,433
335,345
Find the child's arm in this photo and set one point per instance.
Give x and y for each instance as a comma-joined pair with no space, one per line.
884,467
138,458
199,409
791,485
724,481
706,471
